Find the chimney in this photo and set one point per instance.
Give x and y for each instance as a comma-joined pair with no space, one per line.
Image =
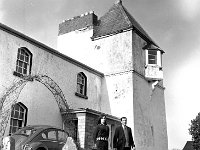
118,2
79,22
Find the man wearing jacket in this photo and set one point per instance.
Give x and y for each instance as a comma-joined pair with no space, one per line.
123,139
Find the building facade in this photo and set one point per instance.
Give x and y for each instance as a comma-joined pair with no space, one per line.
102,65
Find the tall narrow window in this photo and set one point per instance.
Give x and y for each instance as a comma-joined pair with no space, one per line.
81,85
23,64
18,117
152,57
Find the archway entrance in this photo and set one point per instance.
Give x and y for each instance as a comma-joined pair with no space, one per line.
12,93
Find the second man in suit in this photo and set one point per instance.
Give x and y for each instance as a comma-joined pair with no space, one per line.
123,139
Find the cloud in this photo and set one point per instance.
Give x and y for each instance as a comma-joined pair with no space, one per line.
1,12
184,97
189,8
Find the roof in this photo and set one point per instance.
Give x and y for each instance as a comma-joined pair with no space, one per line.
188,146
90,111
117,20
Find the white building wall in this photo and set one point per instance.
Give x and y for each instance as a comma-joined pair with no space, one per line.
123,91
41,104
77,45
149,115
148,104
112,56
42,107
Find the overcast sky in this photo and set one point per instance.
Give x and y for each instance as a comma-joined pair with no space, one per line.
173,24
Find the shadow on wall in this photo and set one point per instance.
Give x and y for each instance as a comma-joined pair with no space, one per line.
105,105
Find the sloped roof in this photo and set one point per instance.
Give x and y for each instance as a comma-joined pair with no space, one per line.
188,146
117,20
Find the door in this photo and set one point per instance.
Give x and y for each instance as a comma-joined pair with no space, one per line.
50,139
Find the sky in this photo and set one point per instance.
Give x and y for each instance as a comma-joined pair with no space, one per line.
173,24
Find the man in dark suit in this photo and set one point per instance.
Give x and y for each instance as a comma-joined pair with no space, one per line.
123,139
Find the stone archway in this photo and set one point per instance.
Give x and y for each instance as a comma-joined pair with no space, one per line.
12,93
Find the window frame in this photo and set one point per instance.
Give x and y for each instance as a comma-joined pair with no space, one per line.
81,85
152,57
158,58
18,118
23,62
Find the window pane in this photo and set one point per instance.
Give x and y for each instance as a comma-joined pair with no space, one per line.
152,57
12,113
16,114
25,65
78,88
14,122
153,52
52,135
19,123
11,122
81,91
44,136
62,136
19,70
17,118
21,57
21,109
21,116
79,79
20,63
16,107
22,51
81,83
26,54
152,62
14,129
26,59
25,71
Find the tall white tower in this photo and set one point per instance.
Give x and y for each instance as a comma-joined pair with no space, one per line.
131,61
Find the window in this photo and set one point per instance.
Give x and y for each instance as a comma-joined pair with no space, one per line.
52,135
18,117
44,136
62,136
23,63
152,57
153,67
81,85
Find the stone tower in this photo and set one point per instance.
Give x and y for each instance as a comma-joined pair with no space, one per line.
116,45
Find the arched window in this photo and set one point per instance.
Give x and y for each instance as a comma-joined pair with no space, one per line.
81,85
23,63
18,117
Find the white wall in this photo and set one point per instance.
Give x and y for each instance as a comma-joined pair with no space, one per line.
42,106
61,70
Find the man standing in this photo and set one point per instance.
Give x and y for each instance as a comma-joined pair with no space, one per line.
123,139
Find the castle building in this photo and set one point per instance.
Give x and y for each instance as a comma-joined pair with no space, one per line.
104,65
